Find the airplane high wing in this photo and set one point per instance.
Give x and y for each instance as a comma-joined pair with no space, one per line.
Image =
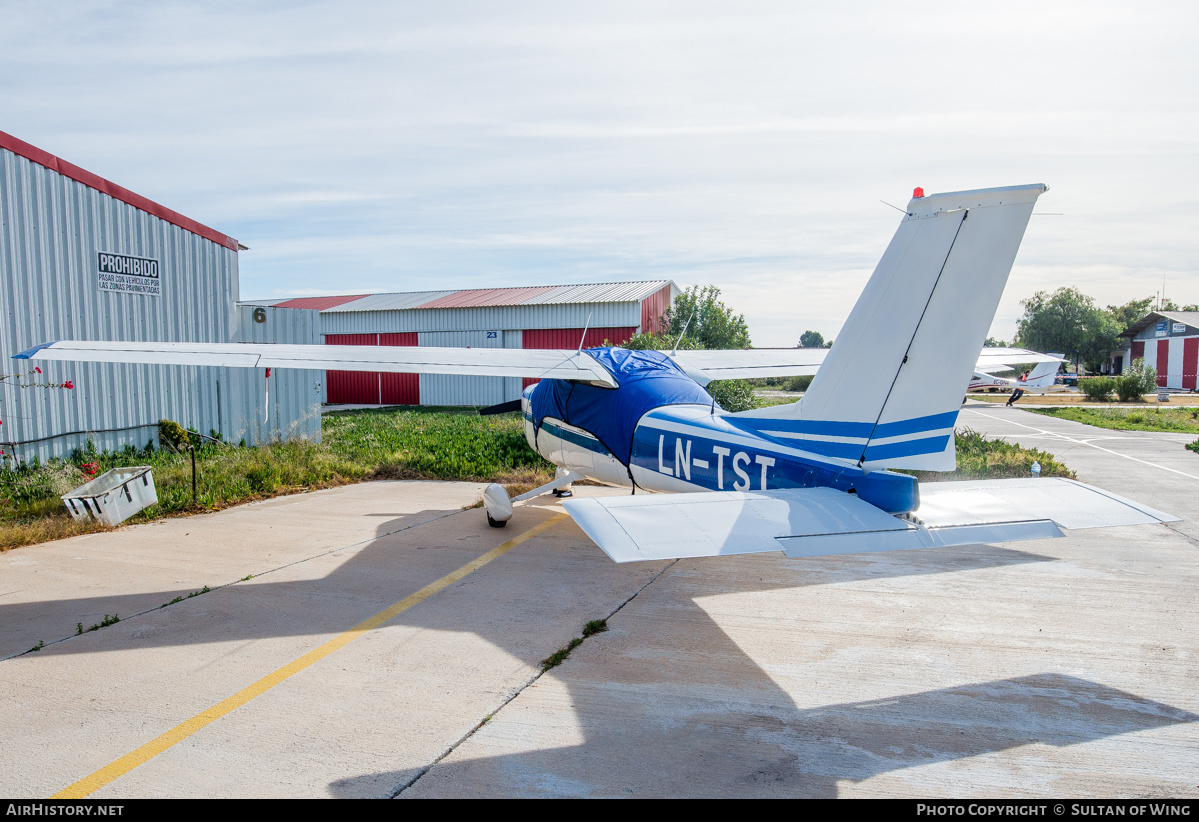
702,366
746,364
506,362
998,359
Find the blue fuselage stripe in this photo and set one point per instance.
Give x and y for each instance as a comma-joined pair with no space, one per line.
907,448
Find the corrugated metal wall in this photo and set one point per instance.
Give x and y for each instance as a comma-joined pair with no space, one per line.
359,387
484,318
1175,356
293,406
570,337
652,308
454,389
51,230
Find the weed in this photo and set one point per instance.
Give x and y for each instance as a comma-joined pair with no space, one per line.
78,628
246,577
203,590
595,626
40,644
1193,446
104,623
558,657
172,602
555,659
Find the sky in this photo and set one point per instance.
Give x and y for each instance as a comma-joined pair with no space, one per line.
361,147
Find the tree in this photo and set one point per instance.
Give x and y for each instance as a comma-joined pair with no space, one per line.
706,319
1068,321
813,339
1170,305
1130,312
994,343
713,325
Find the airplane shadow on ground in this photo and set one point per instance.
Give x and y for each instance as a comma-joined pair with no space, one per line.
703,747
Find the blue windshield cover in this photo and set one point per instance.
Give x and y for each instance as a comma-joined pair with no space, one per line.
648,380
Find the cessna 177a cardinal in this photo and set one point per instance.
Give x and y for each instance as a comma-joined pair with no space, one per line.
808,478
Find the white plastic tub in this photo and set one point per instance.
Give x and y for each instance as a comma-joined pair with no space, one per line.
114,496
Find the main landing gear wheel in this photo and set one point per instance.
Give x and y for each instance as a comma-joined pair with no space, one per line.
497,505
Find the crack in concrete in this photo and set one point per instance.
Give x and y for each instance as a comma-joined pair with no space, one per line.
395,792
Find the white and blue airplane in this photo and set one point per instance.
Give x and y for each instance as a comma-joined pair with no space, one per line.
810,478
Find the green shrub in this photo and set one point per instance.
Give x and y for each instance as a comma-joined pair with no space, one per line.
981,458
733,395
172,435
1098,389
1137,380
799,383
1128,388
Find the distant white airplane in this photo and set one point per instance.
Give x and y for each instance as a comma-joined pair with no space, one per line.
809,478
1040,377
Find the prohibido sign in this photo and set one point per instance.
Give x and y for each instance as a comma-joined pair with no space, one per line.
131,275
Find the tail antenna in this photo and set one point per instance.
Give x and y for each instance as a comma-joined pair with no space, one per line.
675,350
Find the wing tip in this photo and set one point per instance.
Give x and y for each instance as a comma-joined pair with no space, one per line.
29,353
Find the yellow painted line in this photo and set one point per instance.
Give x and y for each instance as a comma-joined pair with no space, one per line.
90,784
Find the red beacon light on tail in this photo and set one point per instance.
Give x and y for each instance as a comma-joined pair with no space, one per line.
917,193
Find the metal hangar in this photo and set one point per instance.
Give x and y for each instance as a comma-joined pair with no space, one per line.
526,317
84,258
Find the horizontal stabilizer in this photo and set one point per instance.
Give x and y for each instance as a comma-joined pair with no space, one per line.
1069,503
806,522
718,523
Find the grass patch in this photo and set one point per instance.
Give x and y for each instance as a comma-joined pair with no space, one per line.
1178,420
447,444
982,458
404,443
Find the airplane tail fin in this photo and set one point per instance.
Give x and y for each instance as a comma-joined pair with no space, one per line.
888,394
1042,375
